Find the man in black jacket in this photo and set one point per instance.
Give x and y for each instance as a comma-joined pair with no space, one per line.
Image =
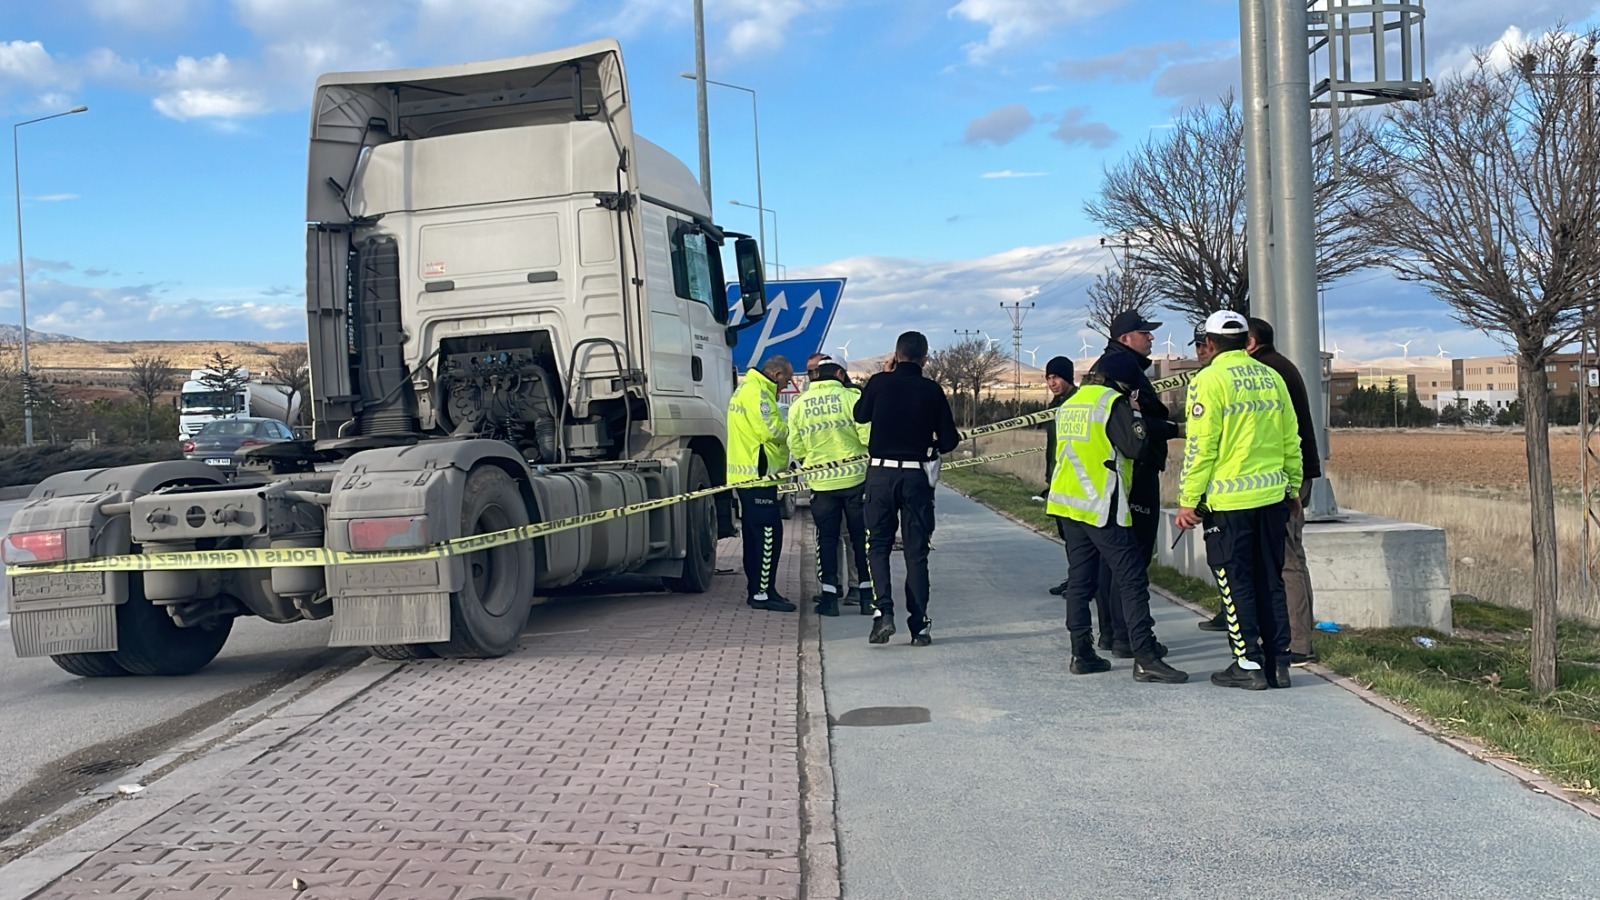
1123,365
911,426
1296,579
1058,380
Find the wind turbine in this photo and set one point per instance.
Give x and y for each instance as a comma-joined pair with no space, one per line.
1169,345
1084,350
1336,351
1406,347
1033,356
992,341
1443,353
844,349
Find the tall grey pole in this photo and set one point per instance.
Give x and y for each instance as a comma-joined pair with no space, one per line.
700,96
22,292
761,219
1293,225
1257,159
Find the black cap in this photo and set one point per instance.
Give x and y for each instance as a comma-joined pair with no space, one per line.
1059,366
1199,334
1129,322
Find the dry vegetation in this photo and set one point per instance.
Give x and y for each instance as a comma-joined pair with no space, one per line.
118,355
1471,483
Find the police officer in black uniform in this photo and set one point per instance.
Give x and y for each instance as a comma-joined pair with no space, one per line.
911,426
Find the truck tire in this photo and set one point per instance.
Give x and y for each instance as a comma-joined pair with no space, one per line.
402,652
150,643
487,615
700,564
89,665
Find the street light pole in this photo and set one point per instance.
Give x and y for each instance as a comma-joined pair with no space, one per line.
701,110
22,275
755,122
777,252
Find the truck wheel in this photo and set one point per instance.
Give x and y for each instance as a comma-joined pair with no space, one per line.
402,652
700,564
89,665
487,616
150,643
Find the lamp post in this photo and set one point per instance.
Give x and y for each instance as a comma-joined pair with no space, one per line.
701,114
755,124
777,253
22,276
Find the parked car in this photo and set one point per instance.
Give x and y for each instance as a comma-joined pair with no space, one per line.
216,442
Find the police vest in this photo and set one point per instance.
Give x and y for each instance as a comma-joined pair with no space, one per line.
757,432
1243,448
823,429
1089,470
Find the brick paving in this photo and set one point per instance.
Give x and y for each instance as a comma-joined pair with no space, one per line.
637,746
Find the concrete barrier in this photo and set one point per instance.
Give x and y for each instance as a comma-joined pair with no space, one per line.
1366,571
16,492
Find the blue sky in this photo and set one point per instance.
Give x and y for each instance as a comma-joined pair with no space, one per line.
936,152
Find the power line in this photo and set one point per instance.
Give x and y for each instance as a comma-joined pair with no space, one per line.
1017,312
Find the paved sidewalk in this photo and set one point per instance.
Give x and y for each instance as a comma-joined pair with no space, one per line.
639,746
1029,782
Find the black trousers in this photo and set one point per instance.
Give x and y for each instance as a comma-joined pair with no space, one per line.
900,499
1245,550
1144,505
830,510
1116,545
763,537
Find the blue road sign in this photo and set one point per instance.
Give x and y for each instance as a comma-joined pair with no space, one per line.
796,324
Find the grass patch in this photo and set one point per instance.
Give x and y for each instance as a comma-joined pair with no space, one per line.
1473,684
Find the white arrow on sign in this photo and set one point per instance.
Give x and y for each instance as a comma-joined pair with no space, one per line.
779,304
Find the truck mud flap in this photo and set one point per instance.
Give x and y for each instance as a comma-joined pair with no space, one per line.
390,619
77,629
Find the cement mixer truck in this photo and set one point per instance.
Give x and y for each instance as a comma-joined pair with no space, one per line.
200,401
516,313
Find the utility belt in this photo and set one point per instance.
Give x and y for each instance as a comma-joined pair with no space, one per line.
895,463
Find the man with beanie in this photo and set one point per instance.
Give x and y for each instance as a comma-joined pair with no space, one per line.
822,429
758,449
1296,579
1123,364
1058,380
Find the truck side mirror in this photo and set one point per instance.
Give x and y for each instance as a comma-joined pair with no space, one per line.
752,278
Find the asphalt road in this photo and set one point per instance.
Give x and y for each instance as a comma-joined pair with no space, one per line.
60,734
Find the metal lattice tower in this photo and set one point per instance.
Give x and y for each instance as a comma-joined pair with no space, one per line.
1018,312
1368,54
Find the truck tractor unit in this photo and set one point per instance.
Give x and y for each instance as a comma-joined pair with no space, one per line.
516,313
200,402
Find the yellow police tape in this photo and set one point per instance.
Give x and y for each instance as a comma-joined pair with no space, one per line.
320,556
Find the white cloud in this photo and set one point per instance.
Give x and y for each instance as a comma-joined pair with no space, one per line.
1075,128
27,63
56,198
999,126
1007,173
138,312
144,15
1016,22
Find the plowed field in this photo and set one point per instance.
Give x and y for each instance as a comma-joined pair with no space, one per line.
1482,459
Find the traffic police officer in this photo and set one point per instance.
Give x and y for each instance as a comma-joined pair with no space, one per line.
757,449
1243,457
823,429
1098,436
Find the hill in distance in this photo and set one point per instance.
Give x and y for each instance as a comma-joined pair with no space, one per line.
74,354
13,333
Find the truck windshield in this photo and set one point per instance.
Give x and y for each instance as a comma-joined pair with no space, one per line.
210,402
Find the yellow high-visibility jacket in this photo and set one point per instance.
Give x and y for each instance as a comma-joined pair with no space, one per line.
1243,449
757,434
823,429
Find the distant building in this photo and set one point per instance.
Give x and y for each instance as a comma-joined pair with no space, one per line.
1497,400
1499,373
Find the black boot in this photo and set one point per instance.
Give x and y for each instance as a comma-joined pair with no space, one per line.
771,604
1059,589
1278,674
1085,661
827,604
1155,670
1236,677
1121,649
867,601
1218,622
1104,643
882,628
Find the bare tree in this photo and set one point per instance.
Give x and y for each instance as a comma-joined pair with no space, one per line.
1181,197
1117,291
965,367
152,375
291,371
1489,195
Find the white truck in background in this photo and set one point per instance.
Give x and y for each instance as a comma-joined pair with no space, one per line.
200,402
516,313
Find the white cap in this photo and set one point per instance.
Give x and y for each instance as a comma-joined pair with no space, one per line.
1225,323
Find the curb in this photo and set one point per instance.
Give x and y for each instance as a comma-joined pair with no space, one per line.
820,875
1529,778
200,764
